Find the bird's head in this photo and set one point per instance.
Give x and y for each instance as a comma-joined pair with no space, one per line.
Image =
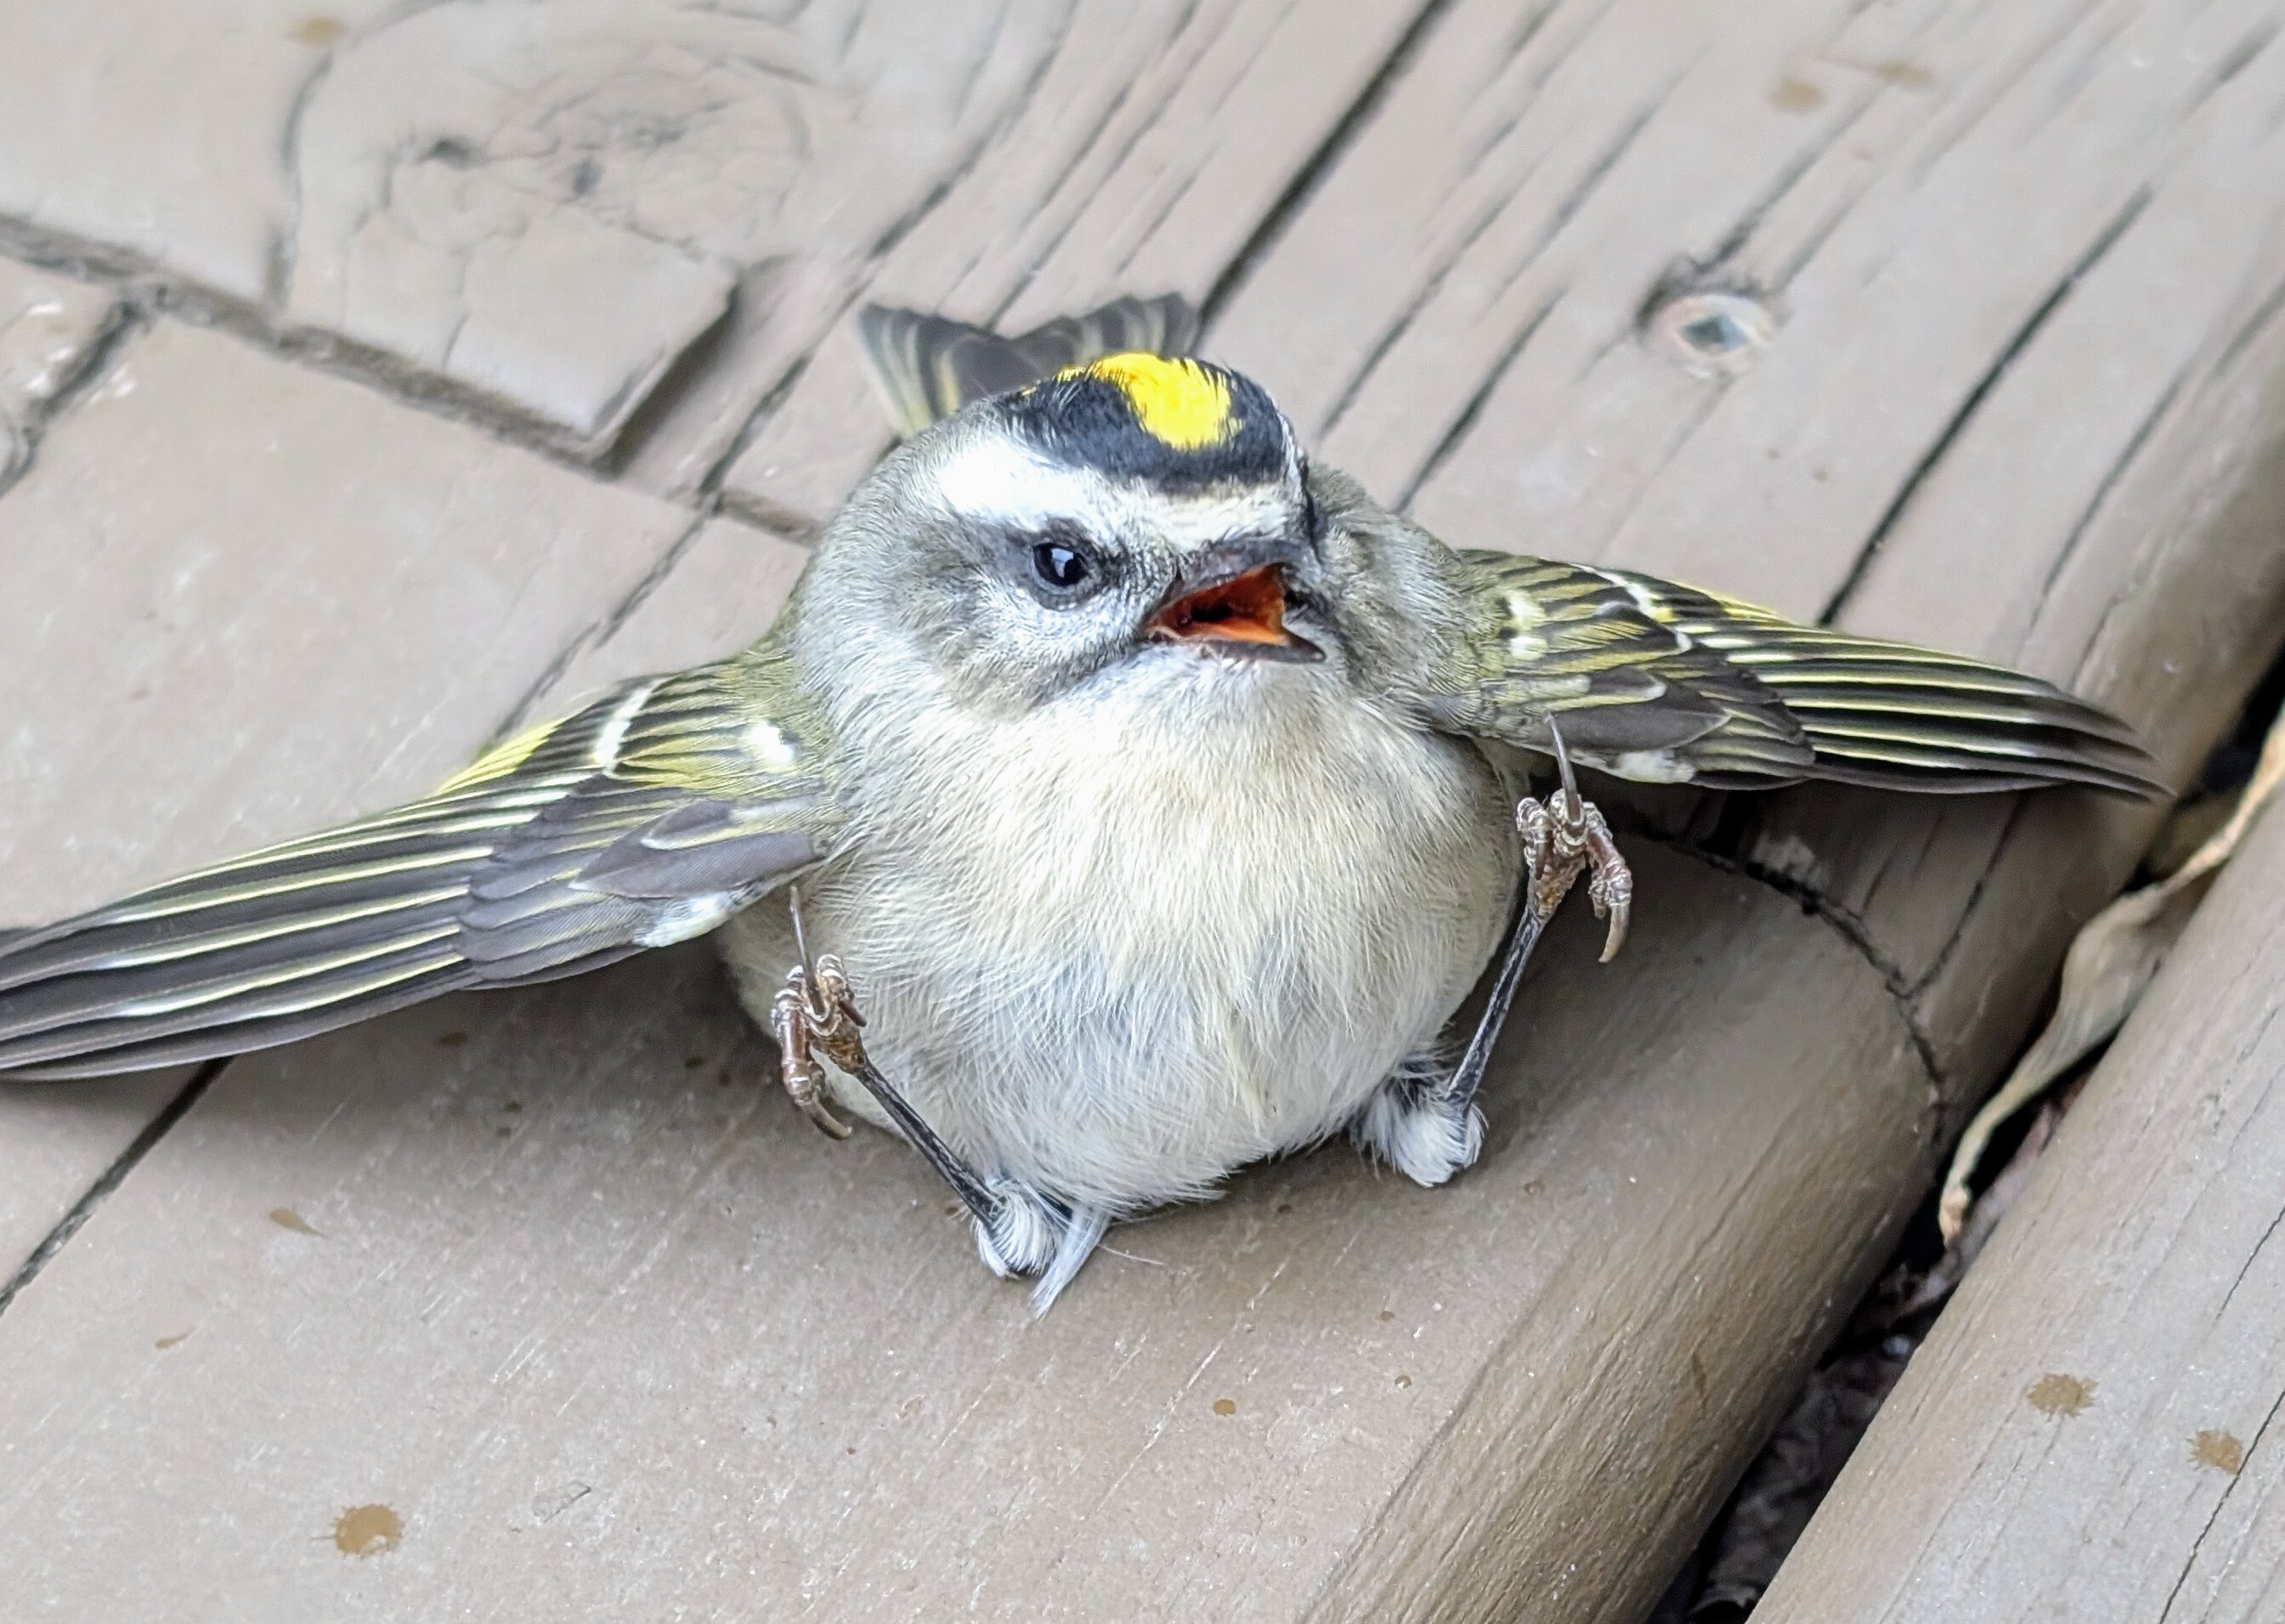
1135,510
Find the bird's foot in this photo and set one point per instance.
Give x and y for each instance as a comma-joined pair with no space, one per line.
1423,1128
1563,834
1029,1232
813,1013
1019,1229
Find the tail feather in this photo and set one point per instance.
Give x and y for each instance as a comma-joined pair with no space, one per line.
927,368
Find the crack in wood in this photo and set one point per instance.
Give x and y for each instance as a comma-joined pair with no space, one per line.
1237,75
860,283
1564,213
2239,58
111,1177
2020,340
286,238
1474,405
1977,106
1320,162
126,318
1081,151
2104,487
1396,330
1942,959
2221,1500
2252,1257
710,483
598,631
158,292
1850,927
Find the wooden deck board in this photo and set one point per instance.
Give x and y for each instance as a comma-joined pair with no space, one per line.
572,1240
2090,1432
1142,160
230,623
55,1143
645,1342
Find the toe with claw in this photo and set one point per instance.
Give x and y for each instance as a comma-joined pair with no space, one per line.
812,1015
1564,834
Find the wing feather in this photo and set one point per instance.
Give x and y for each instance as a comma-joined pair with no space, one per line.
1658,681
646,817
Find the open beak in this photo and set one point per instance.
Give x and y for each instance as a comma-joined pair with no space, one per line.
1240,614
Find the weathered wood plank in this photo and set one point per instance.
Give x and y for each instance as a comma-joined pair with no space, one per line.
1737,1114
547,213
2088,1431
1144,160
229,624
602,1322
56,1142
244,599
2020,399
711,597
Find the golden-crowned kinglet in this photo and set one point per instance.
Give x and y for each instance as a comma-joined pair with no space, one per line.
1137,777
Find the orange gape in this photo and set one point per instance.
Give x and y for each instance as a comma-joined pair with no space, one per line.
1246,608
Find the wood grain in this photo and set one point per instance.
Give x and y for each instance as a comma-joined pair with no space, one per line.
246,599
2018,391
2089,1432
564,1283
1159,142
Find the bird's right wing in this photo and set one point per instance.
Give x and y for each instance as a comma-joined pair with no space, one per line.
928,367
649,816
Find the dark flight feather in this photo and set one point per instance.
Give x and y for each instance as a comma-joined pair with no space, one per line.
1655,681
648,815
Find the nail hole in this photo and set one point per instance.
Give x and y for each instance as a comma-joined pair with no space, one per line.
1713,335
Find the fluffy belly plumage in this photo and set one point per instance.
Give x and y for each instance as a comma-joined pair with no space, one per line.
1118,961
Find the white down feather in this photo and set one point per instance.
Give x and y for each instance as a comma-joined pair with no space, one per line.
1185,917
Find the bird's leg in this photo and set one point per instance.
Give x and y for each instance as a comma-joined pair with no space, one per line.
1562,836
1018,1230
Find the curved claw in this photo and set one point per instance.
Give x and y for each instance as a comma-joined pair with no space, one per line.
1610,882
1616,937
815,1108
793,1021
1564,834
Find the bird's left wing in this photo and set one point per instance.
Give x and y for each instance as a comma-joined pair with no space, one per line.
1659,682
648,817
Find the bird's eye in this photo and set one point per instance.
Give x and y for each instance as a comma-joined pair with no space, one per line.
1060,567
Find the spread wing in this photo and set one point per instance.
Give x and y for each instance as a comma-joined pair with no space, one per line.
1667,684
649,816
928,367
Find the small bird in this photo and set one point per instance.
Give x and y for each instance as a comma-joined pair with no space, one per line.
1140,799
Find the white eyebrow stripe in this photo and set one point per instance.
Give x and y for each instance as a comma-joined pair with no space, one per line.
996,482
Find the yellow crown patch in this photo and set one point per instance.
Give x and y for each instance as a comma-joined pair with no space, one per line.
1178,403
